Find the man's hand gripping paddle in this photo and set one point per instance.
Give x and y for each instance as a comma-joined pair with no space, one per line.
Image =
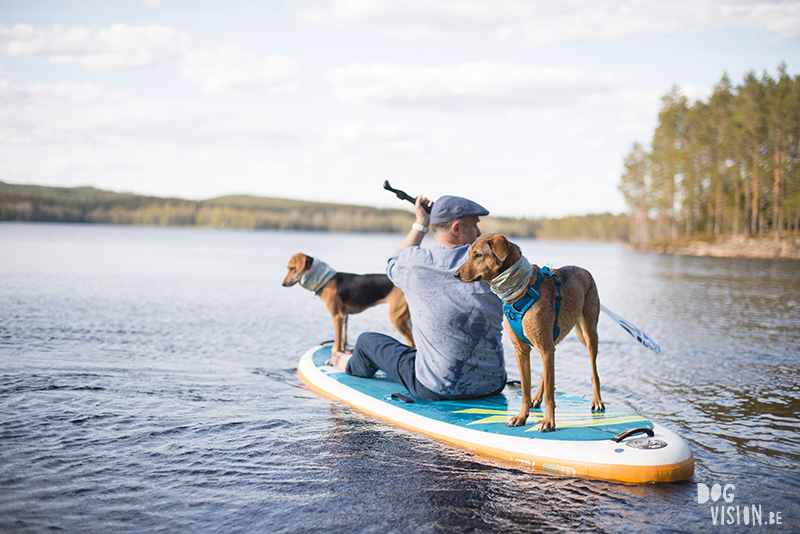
402,195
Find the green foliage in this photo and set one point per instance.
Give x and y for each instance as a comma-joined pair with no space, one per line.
729,166
592,227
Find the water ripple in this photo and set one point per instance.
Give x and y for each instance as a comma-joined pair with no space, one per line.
165,398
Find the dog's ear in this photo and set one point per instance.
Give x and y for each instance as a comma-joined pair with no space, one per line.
309,262
499,245
300,262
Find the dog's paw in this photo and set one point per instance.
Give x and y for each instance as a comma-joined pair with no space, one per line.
536,403
598,406
517,421
547,426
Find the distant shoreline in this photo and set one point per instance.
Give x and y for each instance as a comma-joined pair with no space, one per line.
20,202
734,247
788,248
31,203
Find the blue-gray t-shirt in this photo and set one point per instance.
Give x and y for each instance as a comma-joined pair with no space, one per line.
457,326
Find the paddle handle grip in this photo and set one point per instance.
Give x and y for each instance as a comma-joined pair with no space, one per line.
402,195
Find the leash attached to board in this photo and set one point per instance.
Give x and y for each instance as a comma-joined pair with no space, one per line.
402,195
637,334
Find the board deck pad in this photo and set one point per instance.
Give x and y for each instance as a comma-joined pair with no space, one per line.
582,445
575,420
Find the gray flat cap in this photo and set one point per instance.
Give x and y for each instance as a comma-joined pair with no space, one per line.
449,208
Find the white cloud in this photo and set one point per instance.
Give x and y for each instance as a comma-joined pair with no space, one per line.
230,70
117,47
224,69
82,133
630,112
780,18
25,40
364,137
469,86
540,22
45,113
406,19
75,113
12,95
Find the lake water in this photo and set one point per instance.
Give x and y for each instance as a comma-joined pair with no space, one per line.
148,384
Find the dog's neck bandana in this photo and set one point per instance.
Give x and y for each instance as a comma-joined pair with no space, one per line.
515,310
511,283
317,276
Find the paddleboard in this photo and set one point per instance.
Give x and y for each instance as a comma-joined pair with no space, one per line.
614,445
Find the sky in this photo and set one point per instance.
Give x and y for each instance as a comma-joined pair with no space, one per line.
528,107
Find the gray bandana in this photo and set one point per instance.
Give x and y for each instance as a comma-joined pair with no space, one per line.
512,283
317,276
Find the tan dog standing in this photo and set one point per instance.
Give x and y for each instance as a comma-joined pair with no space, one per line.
346,294
494,259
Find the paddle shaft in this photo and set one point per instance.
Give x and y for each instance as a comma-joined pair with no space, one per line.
402,195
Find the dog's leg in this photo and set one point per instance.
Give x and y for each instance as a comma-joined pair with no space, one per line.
329,294
548,384
524,365
344,332
403,325
400,316
537,397
523,351
339,331
586,328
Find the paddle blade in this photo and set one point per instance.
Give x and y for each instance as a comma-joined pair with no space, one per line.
637,334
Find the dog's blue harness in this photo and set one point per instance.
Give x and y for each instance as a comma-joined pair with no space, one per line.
516,310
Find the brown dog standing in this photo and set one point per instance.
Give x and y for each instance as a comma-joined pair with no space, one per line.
493,255
346,293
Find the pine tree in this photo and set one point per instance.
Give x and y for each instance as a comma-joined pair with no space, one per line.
731,164
634,187
669,142
751,114
721,110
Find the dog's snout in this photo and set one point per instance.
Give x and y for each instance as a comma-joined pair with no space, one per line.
458,275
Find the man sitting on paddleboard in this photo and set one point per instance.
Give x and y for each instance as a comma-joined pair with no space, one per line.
457,327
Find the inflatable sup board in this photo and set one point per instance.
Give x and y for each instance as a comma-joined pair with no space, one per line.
614,445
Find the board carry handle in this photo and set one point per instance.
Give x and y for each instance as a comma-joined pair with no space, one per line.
402,195
632,432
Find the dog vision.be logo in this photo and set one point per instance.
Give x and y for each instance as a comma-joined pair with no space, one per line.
725,512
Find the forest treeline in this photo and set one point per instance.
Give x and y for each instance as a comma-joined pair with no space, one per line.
90,205
729,166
